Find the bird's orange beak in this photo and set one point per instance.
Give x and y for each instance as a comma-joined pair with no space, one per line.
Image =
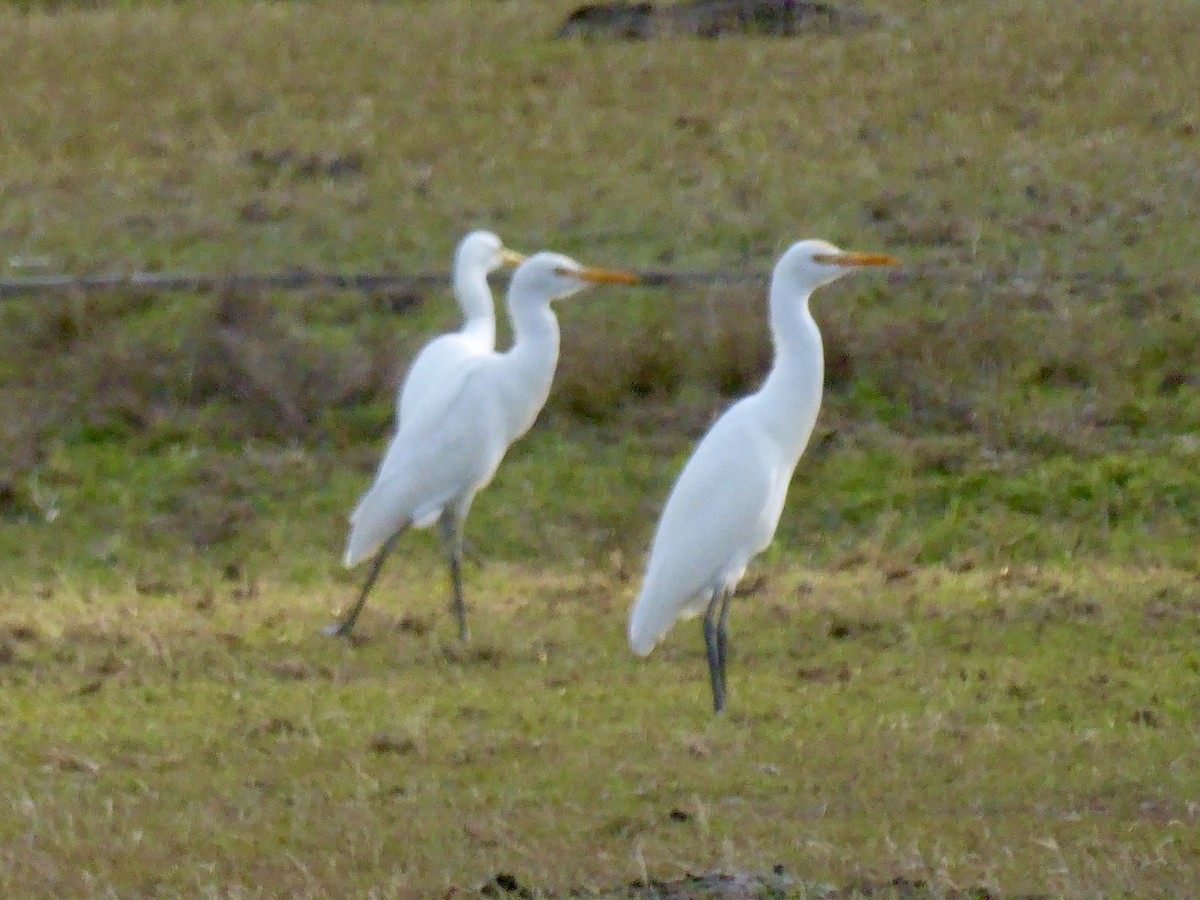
851,258
511,257
605,276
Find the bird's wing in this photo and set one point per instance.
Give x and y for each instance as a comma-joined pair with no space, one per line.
414,393
722,511
449,447
437,362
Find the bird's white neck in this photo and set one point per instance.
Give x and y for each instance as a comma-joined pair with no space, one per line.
792,391
475,299
530,362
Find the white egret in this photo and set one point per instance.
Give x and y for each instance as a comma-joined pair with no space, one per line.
726,504
451,444
479,254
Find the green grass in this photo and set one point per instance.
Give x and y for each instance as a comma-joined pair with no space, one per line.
973,657
1023,729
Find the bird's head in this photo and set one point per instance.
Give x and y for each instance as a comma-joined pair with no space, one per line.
809,264
482,250
553,276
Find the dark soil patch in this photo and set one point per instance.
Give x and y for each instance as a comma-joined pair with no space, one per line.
752,886
707,18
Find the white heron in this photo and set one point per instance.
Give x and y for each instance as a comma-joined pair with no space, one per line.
451,444
479,254
726,504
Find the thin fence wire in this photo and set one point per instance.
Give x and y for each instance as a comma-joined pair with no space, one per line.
299,279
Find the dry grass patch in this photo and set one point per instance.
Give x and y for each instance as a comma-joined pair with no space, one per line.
886,724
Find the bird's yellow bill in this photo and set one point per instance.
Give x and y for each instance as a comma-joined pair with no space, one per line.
511,257
606,276
850,258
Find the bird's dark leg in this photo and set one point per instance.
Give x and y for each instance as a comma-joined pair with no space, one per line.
722,641
344,627
450,527
714,660
471,554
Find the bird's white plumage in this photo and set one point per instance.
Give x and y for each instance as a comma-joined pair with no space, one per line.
449,444
478,254
694,553
727,501
446,450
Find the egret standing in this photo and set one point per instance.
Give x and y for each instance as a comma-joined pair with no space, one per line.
451,444
726,505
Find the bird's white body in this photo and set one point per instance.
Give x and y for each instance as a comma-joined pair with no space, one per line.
478,254
726,504
451,439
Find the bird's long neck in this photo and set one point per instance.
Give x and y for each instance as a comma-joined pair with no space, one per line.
475,299
530,362
792,391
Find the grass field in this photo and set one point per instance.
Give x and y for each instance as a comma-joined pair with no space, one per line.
971,660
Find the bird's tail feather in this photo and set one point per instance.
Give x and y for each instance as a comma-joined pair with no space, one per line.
647,624
654,613
366,537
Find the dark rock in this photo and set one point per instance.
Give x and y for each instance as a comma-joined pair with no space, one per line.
503,884
707,18
630,21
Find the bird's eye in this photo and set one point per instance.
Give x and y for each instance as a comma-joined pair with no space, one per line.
562,270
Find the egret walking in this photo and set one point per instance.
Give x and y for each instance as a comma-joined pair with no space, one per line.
479,254
726,504
451,444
